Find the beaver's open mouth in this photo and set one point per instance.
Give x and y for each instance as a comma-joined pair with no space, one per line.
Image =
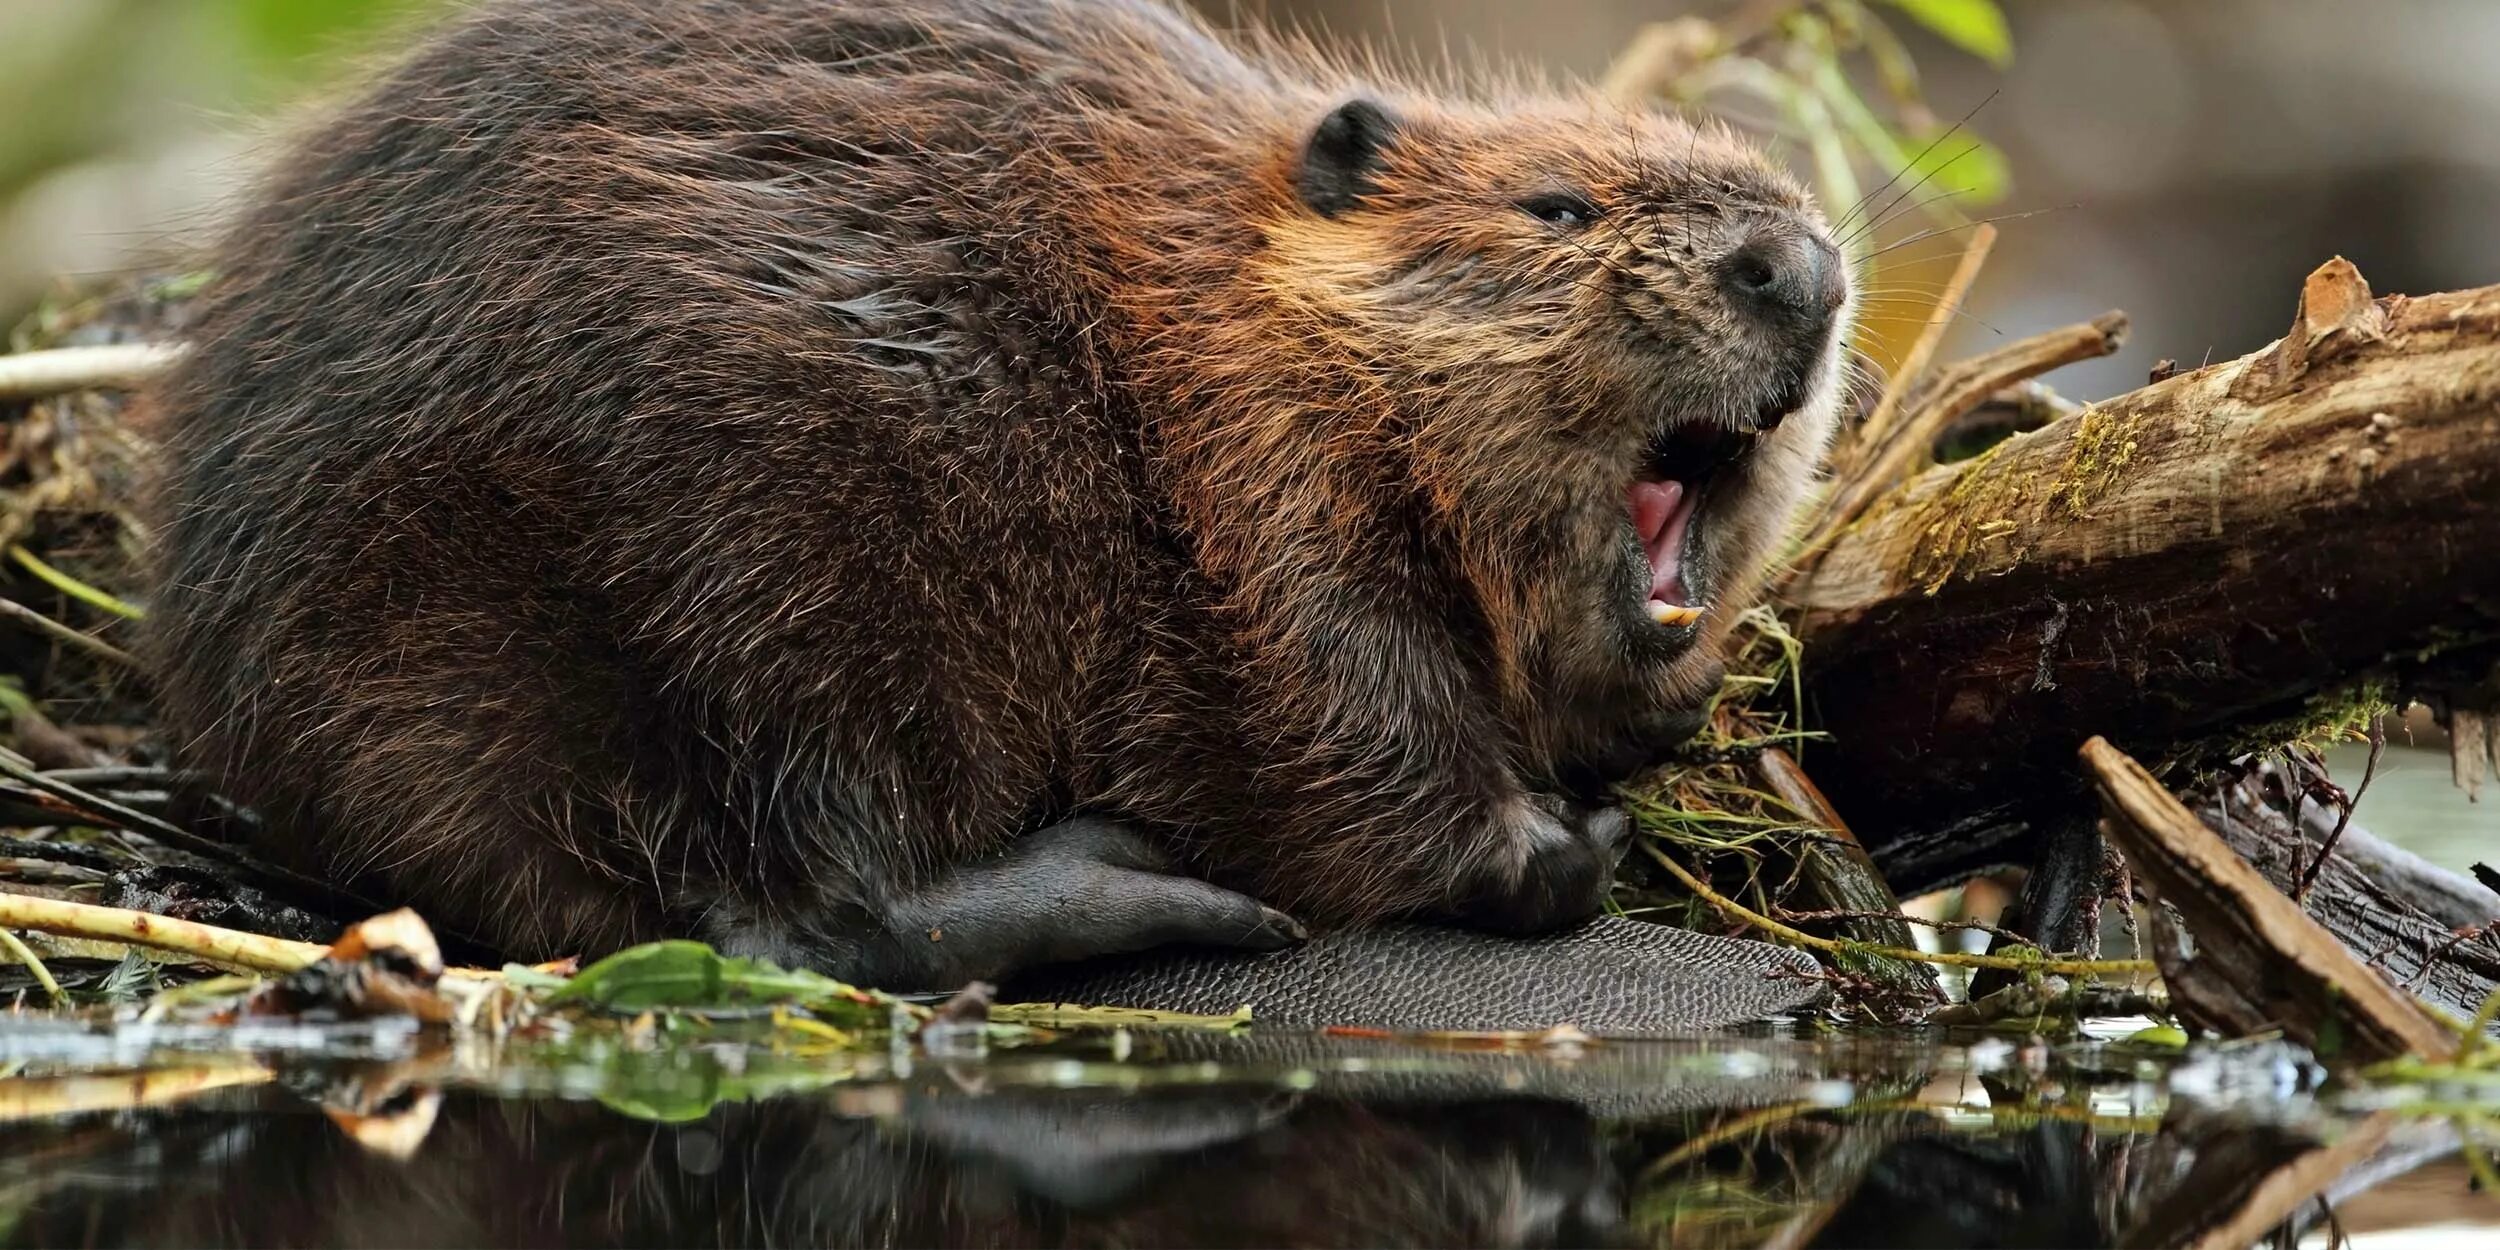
1668,493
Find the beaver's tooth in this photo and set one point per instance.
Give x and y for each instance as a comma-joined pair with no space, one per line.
1666,613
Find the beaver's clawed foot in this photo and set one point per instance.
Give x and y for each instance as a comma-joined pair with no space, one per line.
1570,856
1076,890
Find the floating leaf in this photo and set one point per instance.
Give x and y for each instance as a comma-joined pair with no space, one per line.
692,977
2159,1037
1975,26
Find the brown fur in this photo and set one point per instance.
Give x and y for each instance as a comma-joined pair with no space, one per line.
658,466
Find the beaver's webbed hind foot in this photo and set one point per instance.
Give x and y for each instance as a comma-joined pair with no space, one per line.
1077,890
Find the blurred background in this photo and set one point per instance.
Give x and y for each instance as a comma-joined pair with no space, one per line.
2187,161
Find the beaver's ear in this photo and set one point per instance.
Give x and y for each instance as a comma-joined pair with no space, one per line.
1343,154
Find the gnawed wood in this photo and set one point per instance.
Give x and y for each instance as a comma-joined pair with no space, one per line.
2471,750
2257,962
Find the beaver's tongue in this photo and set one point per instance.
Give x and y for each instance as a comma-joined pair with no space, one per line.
1660,515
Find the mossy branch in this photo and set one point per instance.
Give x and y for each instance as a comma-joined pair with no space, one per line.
1951,959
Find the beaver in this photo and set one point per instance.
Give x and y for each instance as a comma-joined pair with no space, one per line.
926,488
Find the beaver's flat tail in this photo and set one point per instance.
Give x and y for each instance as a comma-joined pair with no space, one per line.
1608,976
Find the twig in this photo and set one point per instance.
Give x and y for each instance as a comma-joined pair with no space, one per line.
53,1097
43,975
150,776
2007,936
2326,849
1736,1126
1855,480
74,588
1842,872
312,888
1799,937
2049,997
60,370
80,639
231,949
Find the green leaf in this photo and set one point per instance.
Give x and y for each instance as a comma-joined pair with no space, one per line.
1969,167
293,44
690,976
1975,26
2159,1037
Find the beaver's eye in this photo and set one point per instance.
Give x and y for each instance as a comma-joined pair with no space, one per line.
1567,211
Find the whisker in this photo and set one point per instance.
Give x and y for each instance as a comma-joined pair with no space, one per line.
1923,153
1940,231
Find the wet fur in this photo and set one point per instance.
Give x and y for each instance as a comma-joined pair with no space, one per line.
661,467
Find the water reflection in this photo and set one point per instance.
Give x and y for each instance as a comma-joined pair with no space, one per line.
1146,1139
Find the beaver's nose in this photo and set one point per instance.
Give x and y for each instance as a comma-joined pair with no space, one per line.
1785,273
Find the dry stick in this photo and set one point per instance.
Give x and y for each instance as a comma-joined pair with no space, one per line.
2260,961
231,949
1878,423
52,1097
80,639
60,370
2326,849
1799,937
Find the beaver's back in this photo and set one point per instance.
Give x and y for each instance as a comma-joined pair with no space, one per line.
637,408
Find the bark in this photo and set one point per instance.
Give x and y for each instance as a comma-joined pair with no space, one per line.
2168,568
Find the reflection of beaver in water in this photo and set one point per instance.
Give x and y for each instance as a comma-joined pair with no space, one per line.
887,485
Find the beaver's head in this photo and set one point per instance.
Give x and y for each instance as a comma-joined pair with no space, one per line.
1615,344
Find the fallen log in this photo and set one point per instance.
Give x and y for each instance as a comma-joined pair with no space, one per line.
2197,562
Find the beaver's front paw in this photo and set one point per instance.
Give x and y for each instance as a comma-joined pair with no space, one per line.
1556,870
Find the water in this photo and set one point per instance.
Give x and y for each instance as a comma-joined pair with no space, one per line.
1787,1135
1784,1135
